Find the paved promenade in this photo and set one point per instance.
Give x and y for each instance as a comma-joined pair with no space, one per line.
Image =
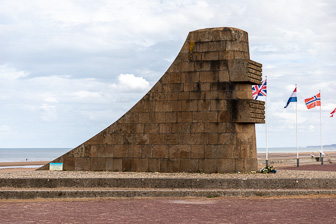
198,210
286,209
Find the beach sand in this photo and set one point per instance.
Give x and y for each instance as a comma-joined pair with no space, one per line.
20,166
290,159
275,159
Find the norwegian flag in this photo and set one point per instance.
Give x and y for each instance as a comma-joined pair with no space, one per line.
259,90
314,101
332,113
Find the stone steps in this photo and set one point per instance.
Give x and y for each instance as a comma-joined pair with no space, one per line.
28,188
163,192
164,182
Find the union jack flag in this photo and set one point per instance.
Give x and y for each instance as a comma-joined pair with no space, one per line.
259,90
332,113
314,101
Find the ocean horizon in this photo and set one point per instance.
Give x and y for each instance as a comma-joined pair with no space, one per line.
49,154
31,154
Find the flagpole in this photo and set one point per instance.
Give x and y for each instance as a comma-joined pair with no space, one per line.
297,145
266,125
321,154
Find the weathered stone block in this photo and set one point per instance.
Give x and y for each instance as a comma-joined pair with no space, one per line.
226,165
210,56
227,139
210,165
205,117
189,87
223,76
201,165
240,164
217,152
144,117
151,128
120,151
204,105
188,66
101,151
179,151
180,128
208,76
190,77
247,111
79,151
221,105
128,164
153,165
197,152
244,71
197,95
193,139
175,77
160,151
140,128
142,139
173,165
213,138
157,139
184,117
205,86
147,151
189,165
134,151
98,139
202,66
190,105
109,164
197,128
164,165
98,164
211,95
140,165
117,165
172,139
68,163
83,164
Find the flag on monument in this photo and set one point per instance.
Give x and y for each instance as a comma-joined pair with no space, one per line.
332,113
314,101
259,90
292,98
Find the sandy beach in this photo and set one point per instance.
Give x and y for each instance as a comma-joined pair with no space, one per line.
20,166
290,159
275,159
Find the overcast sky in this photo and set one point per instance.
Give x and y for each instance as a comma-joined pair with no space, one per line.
70,68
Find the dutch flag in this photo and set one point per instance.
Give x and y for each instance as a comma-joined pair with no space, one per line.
292,98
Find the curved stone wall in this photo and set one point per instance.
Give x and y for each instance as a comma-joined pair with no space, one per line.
199,117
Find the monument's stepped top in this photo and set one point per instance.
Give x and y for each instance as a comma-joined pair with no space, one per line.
199,117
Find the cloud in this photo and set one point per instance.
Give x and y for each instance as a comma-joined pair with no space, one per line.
76,66
10,73
49,112
4,128
87,94
130,82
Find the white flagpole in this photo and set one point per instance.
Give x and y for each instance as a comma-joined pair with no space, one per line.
266,124
321,154
297,145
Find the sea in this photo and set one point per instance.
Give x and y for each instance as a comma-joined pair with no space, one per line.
48,154
31,154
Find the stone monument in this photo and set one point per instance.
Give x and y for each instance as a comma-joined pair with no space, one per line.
199,117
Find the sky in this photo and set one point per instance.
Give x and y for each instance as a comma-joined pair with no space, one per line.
70,68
